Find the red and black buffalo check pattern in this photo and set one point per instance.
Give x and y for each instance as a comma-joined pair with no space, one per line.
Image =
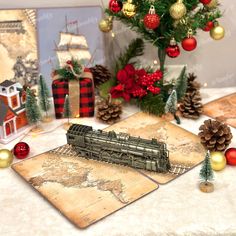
60,88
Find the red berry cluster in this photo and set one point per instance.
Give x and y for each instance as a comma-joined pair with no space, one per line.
139,92
154,90
150,79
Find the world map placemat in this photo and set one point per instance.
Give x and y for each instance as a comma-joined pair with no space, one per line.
185,149
223,109
85,191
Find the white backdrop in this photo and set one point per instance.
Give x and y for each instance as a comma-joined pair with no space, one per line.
213,61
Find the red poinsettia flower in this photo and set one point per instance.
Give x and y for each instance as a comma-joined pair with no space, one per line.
130,70
119,91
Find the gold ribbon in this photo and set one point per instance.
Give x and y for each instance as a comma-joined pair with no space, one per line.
74,90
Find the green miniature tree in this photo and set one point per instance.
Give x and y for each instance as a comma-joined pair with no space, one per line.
67,109
181,84
32,109
171,106
44,96
206,172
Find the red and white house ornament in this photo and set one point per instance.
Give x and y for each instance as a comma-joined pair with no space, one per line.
189,43
173,49
13,120
151,20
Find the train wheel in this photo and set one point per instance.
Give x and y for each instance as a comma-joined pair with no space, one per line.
105,156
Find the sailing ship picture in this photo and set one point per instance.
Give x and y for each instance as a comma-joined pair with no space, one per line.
72,45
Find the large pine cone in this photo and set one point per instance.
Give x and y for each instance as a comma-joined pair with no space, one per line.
100,75
191,106
215,136
108,111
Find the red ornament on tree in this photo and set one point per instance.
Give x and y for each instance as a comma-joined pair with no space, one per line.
151,20
115,6
189,43
21,150
209,25
205,2
173,49
230,155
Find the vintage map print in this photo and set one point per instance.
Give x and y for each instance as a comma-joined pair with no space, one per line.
223,109
185,149
85,191
18,46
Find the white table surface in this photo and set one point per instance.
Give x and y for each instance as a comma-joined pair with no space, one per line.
178,208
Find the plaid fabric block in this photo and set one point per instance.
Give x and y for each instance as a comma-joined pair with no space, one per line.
60,88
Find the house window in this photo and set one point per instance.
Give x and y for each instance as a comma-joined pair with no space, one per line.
14,102
11,90
4,90
23,98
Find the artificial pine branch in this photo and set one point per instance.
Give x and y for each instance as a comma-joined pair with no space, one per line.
153,104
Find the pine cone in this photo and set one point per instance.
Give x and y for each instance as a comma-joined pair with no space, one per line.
192,85
100,75
191,106
108,111
214,135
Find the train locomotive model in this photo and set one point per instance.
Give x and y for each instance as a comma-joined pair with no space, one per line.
121,148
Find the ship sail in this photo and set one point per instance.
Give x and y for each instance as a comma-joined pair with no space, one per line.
72,46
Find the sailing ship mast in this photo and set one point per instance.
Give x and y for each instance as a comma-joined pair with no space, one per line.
72,45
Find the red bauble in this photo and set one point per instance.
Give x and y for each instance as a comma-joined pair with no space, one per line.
173,51
230,155
115,6
21,150
151,20
205,2
209,25
189,43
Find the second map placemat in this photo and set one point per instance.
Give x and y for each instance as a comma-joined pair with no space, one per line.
184,147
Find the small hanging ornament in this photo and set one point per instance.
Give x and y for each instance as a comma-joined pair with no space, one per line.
212,4
129,9
189,43
205,2
21,150
151,20
115,6
217,32
6,158
106,25
178,10
209,25
173,49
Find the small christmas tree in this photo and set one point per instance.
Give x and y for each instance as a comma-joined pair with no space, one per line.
171,106
206,174
44,96
32,109
181,84
67,109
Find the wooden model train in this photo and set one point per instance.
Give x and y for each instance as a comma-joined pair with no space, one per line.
121,148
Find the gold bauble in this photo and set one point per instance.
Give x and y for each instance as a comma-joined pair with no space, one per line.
129,9
218,161
217,32
212,4
105,25
178,10
6,158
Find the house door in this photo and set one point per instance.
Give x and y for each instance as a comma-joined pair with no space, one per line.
9,128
